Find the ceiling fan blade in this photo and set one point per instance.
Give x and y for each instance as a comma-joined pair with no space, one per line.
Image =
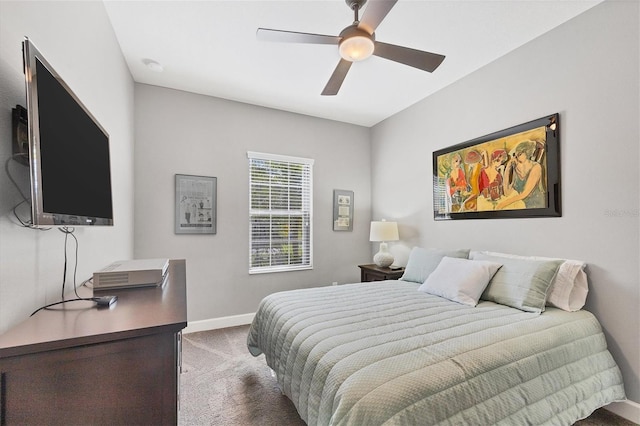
374,13
337,78
426,61
295,37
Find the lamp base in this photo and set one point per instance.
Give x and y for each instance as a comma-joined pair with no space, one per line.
383,258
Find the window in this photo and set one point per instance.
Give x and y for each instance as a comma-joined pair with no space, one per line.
280,213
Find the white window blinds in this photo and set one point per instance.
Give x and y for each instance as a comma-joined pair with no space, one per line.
280,213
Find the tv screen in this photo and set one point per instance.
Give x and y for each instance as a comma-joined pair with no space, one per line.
68,151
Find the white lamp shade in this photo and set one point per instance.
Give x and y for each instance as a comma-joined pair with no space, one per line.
384,231
356,48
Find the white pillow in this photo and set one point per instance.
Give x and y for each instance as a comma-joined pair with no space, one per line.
569,289
460,280
424,261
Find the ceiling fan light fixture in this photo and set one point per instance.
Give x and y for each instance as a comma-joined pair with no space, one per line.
356,48
357,43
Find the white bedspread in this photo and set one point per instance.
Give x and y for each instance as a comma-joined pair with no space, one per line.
384,353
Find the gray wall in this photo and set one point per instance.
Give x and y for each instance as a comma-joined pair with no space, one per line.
587,70
78,41
183,133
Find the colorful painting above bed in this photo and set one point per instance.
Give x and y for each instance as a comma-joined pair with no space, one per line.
511,173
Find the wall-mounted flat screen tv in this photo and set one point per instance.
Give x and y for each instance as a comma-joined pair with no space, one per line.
68,151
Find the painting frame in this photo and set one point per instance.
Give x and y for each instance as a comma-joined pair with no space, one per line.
342,210
195,204
524,180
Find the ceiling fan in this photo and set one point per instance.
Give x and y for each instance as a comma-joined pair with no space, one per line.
358,42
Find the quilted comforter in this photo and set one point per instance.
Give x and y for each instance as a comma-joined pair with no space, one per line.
386,354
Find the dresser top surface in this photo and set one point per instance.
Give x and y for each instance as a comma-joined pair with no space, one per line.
137,312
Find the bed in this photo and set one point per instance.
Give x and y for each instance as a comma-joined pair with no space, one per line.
391,353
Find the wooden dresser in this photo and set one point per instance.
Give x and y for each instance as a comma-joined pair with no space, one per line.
78,364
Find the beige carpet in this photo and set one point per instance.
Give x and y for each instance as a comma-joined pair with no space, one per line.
223,385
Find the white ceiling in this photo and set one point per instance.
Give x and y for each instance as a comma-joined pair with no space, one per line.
210,48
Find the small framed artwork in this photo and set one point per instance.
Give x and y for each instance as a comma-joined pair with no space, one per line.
195,204
342,210
512,173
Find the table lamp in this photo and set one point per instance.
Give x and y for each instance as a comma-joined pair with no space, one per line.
383,231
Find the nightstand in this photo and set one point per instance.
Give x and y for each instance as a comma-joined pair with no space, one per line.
373,272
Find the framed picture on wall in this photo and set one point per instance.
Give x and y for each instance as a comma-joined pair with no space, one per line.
195,210
342,210
513,173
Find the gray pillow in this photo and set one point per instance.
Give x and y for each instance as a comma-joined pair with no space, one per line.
520,283
422,262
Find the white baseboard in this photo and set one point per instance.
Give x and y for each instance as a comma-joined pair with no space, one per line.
216,323
628,409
